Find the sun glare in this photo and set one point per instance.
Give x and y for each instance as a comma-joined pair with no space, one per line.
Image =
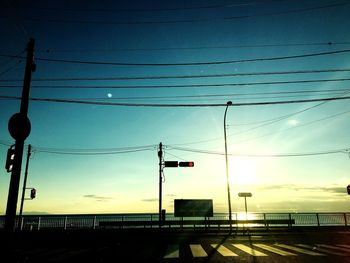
243,171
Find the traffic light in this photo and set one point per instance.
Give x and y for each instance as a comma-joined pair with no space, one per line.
171,163
348,188
32,193
186,164
10,159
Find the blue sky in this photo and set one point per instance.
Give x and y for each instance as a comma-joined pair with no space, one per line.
170,32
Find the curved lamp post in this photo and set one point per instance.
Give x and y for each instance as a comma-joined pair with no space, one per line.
229,103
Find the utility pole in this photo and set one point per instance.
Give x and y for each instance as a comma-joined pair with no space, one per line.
160,156
25,182
19,128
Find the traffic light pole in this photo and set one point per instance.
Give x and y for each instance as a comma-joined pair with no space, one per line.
17,128
160,156
25,182
229,103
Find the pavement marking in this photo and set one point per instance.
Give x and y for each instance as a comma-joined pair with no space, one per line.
172,251
224,251
334,247
275,250
346,246
249,250
313,248
198,251
300,250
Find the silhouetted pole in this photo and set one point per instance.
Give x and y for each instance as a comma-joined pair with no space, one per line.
25,181
19,128
229,103
160,155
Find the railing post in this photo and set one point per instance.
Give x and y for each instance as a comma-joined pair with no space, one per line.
318,219
94,223
345,220
39,221
65,223
266,225
290,220
22,223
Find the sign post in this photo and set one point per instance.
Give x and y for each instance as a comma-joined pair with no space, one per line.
245,195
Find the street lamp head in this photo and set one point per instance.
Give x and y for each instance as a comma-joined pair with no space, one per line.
229,103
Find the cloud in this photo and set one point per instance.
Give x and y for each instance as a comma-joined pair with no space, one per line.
150,200
294,187
98,198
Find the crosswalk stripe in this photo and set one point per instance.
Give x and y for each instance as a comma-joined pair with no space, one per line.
224,251
346,246
198,251
321,250
334,247
300,250
172,252
275,250
249,250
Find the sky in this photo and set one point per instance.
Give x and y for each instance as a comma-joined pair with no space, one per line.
113,80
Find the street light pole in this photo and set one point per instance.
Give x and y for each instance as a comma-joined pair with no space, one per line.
229,103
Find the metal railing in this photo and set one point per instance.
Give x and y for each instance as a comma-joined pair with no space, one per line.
92,221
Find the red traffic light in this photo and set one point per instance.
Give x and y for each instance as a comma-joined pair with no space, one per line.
186,164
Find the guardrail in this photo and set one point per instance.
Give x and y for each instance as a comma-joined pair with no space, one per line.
99,221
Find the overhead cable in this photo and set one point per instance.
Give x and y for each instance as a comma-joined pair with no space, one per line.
294,127
222,75
151,9
177,86
104,50
183,21
334,151
300,93
107,63
102,103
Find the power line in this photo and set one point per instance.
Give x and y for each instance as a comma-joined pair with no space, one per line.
277,119
175,105
152,9
264,123
86,50
184,21
302,92
178,86
95,151
302,125
250,95
87,152
106,63
313,71
10,68
334,151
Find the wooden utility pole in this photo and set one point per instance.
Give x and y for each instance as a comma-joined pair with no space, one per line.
19,128
160,156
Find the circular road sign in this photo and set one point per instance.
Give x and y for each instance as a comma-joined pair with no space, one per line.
19,126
